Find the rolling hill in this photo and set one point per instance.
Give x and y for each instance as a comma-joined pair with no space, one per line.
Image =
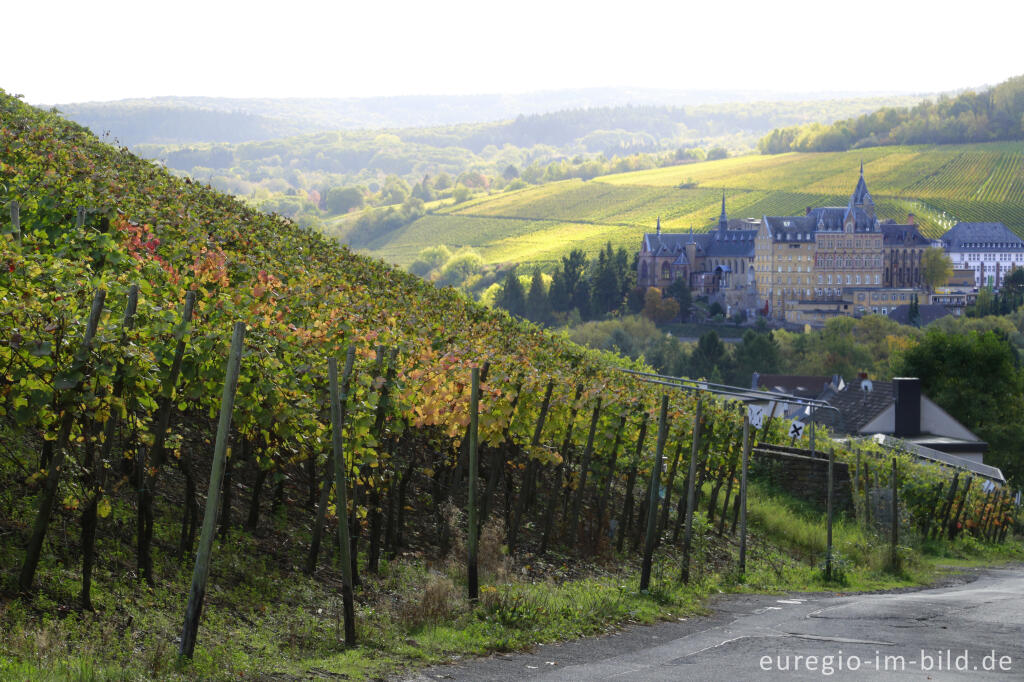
939,184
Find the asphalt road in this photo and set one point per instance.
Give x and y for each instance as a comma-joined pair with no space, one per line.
964,632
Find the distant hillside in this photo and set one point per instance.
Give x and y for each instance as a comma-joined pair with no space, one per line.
988,115
140,121
255,150
939,184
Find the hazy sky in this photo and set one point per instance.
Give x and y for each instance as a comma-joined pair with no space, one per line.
58,52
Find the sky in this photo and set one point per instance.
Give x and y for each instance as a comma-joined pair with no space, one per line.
97,50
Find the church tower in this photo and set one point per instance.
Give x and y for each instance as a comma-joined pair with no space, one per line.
861,197
723,220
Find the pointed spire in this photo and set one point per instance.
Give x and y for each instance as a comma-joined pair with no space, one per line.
862,168
723,220
659,225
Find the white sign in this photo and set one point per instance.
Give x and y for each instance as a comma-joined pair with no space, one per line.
756,414
796,429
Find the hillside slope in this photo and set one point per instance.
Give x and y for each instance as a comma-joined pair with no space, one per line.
939,184
105,450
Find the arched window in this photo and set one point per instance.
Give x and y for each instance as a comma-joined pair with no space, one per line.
666,271
643,270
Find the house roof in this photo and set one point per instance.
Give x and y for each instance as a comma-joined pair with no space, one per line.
902,235
974,237
857,406
928,313
804,386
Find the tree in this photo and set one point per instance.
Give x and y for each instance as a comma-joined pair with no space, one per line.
680,291
936,268
429,259
343,199
607,293
581,300
465,263
512,297
657,309
510,173
708,357
977,379
914,316
757,352
538,308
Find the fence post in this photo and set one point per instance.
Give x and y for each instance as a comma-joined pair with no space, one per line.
955,521
894,556
55,468
16,222
471,567
652,495
202,567
338,411
691,498
828,513
743,493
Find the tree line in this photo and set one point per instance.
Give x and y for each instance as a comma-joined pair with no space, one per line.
986,116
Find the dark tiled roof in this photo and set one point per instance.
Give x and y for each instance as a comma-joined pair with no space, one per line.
857,406
860,193
793,384
730,243
982,237
902,235
928,313
665,243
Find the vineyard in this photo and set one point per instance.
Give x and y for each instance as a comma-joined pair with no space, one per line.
939,184
159,339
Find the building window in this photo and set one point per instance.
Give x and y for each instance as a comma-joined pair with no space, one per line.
666,271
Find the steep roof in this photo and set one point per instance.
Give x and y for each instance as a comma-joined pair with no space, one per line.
982,237
928,313
803,386
664,244
857,406
902,235
730,243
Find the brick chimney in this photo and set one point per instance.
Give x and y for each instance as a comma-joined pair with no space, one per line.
907,392
911,219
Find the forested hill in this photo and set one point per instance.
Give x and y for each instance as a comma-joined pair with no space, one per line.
993,114
210,119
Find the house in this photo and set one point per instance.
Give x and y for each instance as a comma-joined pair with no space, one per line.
991,250
926,314
717,264
899,409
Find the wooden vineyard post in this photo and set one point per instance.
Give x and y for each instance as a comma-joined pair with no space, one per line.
329,474
556,486
652,496
627,502
16,222
691,498
944,516
338,412
894,552
497,466
855,489
954,523
474,409
743,493
828,514
96,475
48,497
588,450
202,567
157,454
603,498
530,476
